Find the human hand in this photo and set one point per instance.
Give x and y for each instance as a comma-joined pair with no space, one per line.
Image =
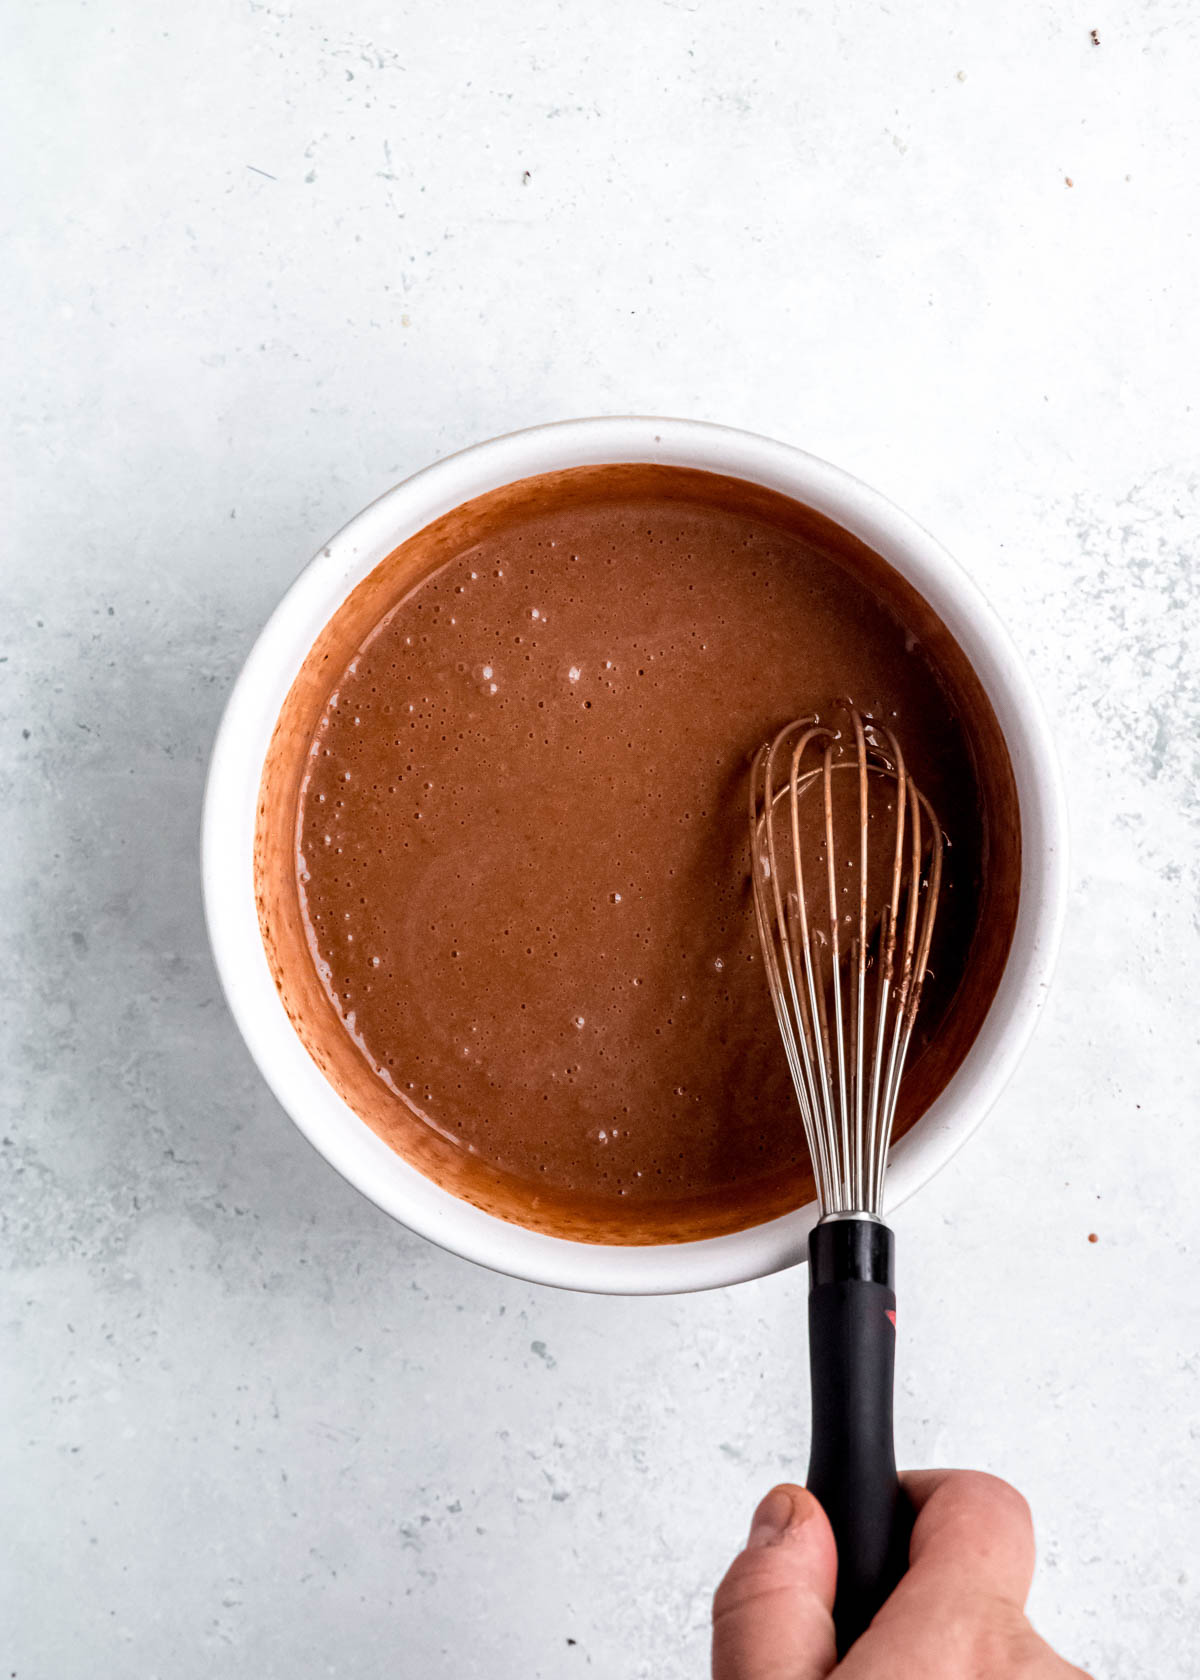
958,1614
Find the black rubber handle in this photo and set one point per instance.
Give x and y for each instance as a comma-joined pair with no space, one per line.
852,1468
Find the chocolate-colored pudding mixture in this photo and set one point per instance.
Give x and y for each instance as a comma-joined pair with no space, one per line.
522,853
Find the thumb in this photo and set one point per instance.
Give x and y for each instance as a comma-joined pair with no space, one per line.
773,1612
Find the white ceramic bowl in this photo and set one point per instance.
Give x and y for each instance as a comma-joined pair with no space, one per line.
245,733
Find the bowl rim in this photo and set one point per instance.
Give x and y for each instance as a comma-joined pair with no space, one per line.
231,798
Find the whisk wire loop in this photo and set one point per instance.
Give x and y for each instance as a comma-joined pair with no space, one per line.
845,983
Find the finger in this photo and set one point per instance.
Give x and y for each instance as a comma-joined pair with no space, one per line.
973,1530
773,1612
958,1610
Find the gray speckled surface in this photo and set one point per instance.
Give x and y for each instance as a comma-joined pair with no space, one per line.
263,261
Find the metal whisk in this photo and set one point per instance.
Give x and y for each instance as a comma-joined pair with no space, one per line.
846,860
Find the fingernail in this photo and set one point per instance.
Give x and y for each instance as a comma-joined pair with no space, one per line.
773,1518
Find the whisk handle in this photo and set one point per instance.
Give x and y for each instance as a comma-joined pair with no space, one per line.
852,1467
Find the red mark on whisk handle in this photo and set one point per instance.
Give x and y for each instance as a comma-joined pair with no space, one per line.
852,1468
